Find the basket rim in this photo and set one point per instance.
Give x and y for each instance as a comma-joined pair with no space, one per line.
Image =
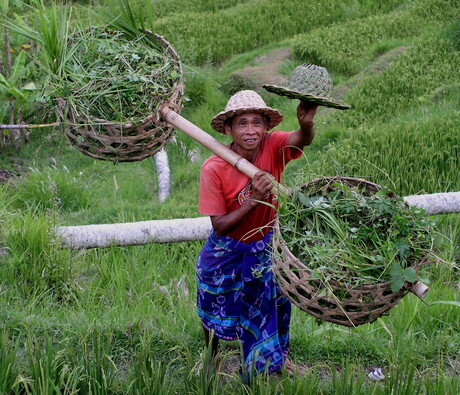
346,178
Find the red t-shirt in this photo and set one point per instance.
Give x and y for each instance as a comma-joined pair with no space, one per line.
224,189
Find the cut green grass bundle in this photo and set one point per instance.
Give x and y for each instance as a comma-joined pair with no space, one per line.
357,244
115,78
112,90
354,237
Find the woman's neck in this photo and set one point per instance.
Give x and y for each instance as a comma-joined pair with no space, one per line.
250,156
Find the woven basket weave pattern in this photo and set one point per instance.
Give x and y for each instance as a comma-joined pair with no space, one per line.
359,305
125,142
309,83
316,83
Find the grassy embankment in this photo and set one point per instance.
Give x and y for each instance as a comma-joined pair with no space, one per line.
122,319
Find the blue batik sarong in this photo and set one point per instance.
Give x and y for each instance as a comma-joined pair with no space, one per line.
238,299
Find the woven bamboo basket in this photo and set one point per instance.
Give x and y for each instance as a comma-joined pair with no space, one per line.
360,305
124,142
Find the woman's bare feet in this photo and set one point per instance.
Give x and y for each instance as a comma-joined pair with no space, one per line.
294,369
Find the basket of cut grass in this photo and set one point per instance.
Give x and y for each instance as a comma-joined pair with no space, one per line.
347,250
111,91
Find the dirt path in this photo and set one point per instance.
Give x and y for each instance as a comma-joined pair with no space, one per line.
267,69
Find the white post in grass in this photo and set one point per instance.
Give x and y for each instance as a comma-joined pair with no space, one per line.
191,229
134,233
164,174
436,203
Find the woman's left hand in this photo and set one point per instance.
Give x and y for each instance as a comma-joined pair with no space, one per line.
305,113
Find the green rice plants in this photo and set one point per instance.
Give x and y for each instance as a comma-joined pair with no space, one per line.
405,82
49,29
203,377
52,189
8,351
449,251
347,380
48,372
201,88
453,34
164,9
307,383
7,201
438,382
35,262
349,46
210,36
402,379
98,368
149,376
426,148
133,18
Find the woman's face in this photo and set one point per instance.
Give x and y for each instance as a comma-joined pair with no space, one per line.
247,130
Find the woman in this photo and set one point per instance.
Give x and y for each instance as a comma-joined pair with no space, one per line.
237,295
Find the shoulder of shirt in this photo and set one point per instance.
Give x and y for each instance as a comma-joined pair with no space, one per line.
213,161
279,132
277,136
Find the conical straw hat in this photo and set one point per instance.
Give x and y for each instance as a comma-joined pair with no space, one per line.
244,102
310,83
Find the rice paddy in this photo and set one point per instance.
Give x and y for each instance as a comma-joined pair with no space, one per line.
122,320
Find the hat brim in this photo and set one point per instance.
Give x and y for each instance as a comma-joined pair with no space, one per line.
279,90
218,122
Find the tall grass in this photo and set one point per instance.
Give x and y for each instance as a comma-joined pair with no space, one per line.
427,153
349,46
8,352
249,25
52,189
35,261
49,29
